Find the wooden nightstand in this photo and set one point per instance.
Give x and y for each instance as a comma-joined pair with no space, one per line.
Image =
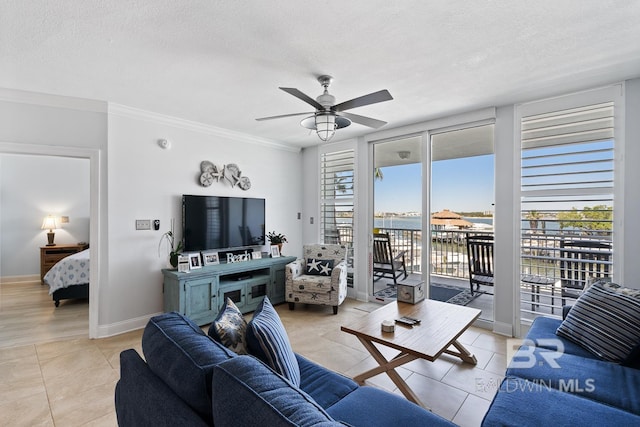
50,255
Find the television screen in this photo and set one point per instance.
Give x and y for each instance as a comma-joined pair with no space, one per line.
212,222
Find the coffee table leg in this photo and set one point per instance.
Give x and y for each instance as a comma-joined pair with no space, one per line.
462,353
388,367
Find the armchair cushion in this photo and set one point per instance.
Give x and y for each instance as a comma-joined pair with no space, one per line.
268,341
319,267
605,320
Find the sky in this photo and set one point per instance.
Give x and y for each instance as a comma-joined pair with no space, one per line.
460,185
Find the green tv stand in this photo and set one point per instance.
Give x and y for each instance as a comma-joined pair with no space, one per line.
199,294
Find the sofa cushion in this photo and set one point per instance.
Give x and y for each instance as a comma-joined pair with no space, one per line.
604,320
319,267
247,392
230,328
268,341
543,334
183,356
521,403
144,400
324,386
597,380
369,406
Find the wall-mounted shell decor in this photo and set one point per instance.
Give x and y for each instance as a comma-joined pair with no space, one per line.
229,173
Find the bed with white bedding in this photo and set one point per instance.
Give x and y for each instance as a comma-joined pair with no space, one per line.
69,278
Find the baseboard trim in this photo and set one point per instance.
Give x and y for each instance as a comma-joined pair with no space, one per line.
19,279
105,331
502,328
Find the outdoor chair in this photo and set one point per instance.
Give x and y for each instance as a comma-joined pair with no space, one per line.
385,264
480,260
320,277
582,261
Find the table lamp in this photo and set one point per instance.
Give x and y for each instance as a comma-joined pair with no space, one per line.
51,224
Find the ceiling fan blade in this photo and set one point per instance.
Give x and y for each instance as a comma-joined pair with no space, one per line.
367,121
372,98
283,116
303,97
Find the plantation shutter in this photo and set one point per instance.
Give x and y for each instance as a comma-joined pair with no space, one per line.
337,196
567,195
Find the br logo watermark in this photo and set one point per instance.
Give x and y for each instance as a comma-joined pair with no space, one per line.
521,352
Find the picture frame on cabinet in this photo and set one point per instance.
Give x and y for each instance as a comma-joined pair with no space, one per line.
194,261
275,251
183,263
256,255
210,258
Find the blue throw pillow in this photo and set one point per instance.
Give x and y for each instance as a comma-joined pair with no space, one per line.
605,320
229,328
319,267
268,341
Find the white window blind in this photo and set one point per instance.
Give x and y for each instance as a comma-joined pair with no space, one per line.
337,196
567,204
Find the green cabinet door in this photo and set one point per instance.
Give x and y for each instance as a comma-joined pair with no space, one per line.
201,299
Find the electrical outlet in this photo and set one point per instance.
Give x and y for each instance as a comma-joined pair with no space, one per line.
143,224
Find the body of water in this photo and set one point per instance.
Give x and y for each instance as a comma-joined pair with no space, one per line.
415,223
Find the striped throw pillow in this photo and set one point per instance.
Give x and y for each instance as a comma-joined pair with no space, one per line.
268,341
605,320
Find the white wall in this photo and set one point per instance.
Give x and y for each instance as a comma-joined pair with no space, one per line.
32,187
147,182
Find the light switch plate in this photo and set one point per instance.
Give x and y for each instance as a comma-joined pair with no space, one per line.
143,224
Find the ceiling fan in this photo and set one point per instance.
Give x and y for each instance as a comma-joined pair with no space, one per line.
330,116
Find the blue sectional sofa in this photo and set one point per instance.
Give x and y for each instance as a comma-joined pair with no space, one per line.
553,381
189,379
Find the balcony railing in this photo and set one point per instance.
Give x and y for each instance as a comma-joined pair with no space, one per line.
545,259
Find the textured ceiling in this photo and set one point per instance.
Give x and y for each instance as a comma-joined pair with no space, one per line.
221,62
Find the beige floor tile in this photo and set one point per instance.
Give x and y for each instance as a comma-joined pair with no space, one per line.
492,342
497,364
20,369
107,420
16,353
70,385
21,388
472,411
68,363
441,398
58,348
88,406
473,380
30,411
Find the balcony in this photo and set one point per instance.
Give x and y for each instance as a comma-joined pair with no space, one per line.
545,259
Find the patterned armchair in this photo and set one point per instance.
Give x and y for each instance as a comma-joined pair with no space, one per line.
319,278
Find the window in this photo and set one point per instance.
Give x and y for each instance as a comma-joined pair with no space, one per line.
567,201
337,198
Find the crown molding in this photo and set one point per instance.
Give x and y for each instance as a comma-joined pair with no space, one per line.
48,100
136,113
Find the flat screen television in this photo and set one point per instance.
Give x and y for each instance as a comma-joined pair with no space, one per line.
213,222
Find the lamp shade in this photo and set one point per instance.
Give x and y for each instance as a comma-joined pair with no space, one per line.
325,125
49,223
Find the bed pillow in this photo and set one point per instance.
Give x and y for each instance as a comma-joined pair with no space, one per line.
319,267
229,328
268,341
605,320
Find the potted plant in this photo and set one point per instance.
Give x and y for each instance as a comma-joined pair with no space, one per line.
174,250
277,239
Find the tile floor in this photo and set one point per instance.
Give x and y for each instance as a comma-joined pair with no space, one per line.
69,381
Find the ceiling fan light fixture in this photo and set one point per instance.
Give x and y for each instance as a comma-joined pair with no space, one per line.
325,126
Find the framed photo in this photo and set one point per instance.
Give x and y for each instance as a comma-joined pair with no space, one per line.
256,255
194,261
183,263
275,251
210,258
